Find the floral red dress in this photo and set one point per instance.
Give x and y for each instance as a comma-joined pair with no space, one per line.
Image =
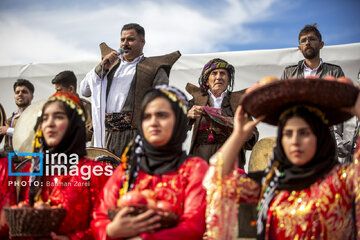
77,195
322,211
7,194
182,188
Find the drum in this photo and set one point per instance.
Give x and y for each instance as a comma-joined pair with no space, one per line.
103,155
261,153
24,128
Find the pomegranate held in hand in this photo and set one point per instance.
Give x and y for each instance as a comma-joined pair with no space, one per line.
149,194
132,198
164,205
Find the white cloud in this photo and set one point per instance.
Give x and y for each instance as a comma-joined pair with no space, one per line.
74,34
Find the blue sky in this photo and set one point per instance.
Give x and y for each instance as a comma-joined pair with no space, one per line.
69,30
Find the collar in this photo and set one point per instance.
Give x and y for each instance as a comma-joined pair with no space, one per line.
136,60
305,67
221,96
19,111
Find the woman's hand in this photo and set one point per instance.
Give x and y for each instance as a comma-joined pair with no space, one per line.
243,128
243,125
124,225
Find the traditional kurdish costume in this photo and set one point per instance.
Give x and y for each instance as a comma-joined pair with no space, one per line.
116,95
209,131
77,193
318,200
167,170
7,193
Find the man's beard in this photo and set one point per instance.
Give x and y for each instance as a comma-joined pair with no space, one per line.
312,54
23,104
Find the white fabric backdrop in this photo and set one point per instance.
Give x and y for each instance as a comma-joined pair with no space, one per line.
250,66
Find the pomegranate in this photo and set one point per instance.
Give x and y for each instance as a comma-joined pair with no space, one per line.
345,80
23,205
267,79
149,194
330,78
312,77
41,205
164,205
132,198
251,88
151,203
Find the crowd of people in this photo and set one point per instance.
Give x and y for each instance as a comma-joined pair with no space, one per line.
310,189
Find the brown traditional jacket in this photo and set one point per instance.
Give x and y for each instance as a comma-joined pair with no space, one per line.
202,99
146,70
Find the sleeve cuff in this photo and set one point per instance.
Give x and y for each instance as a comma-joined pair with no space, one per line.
10,131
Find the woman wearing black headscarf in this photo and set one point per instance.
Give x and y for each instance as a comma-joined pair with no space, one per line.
304,193
156,161
68,178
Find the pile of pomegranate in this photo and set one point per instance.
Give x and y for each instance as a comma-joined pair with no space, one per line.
37,205
147,198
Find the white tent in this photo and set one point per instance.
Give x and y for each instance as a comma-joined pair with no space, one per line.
250,66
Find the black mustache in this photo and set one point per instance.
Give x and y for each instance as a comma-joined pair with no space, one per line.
127,48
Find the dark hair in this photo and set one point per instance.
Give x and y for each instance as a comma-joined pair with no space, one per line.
63,106
139,29
66,79
26,83
310,28
325,142
148,98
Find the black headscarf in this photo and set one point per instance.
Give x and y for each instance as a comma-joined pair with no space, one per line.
289,176
73,141
155,160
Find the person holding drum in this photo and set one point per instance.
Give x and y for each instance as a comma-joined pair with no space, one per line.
24,94
155,162
304,193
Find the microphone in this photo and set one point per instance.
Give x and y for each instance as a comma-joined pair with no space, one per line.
118,53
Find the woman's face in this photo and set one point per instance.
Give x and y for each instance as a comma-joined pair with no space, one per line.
298,141
54,123
158,122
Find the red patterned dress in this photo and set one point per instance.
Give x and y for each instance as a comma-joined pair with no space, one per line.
182,188
322,211
7,194
77,195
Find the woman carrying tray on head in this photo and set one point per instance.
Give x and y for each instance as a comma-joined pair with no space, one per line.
304,193
61,130
156,161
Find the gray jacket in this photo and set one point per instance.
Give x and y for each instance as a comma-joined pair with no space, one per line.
345,133
326,69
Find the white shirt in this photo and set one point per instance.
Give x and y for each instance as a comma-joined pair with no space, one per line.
121,84
92,85
310,72
217,101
